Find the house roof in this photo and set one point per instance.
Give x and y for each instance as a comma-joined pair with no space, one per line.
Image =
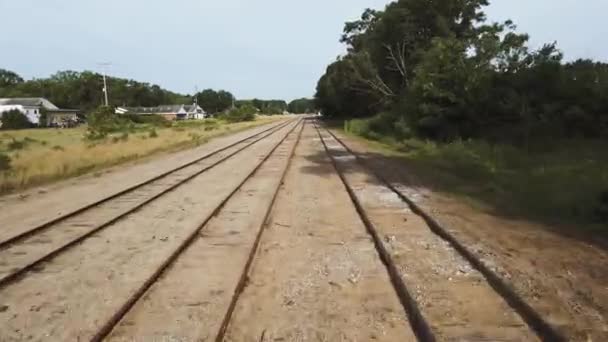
163,109
28,102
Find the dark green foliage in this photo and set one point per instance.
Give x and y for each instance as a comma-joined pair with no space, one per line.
440,69
104,121
14,119
82,90
9,78
154,120
268,107
5,162
244,113
16,144
214,101
301,106
153,134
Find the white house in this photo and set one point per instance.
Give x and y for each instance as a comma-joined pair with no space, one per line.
169,112
31,107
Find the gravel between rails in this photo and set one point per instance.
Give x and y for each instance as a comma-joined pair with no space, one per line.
317,276
454,298
30,208
197,290
77,291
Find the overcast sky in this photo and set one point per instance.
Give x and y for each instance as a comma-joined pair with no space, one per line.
261,48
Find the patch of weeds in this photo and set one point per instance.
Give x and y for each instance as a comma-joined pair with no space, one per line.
197,138
95,135
601,208
153,134
57,148
123,137
5,162
16,144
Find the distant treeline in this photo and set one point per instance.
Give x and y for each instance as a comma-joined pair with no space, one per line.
83,90
437,69
270,107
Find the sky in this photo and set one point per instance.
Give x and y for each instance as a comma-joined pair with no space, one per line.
262,48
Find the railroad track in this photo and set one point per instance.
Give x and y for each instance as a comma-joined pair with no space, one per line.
420,326
116,318
30,249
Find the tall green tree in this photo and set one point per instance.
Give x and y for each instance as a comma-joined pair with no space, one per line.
300,106
215,101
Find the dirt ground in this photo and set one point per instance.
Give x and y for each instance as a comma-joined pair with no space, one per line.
32,207
448,290
196,292
317,274
565,279
75,293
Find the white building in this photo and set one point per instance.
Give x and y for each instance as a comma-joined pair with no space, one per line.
169,112
31,107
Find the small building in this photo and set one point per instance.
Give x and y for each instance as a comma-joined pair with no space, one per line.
169,112
34,107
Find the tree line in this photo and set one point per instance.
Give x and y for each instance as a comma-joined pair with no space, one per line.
83,90
438,69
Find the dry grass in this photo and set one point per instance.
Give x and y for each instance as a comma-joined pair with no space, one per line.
40,156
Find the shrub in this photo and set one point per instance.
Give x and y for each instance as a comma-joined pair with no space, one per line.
154,120
103,121
5,162
122,137
601,208
16,144
14,119
153,134
244,113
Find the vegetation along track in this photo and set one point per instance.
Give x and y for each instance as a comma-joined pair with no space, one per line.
109,325
540,326
28,250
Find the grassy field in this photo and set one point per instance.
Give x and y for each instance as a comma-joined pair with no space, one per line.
553,181
39,156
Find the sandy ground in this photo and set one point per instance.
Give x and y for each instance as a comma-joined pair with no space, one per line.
563,278
317,276
447,289
197,290
78,291
32,248
32,207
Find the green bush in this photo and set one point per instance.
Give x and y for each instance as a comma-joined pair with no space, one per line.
16,144
154,120
104,121
5,162
244,113
601,208
123,137
153,134
14,119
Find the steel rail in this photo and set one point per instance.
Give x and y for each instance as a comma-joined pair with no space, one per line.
7,243
109,325
17,274
544,330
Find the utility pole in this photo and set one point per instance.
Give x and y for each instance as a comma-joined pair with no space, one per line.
105,83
